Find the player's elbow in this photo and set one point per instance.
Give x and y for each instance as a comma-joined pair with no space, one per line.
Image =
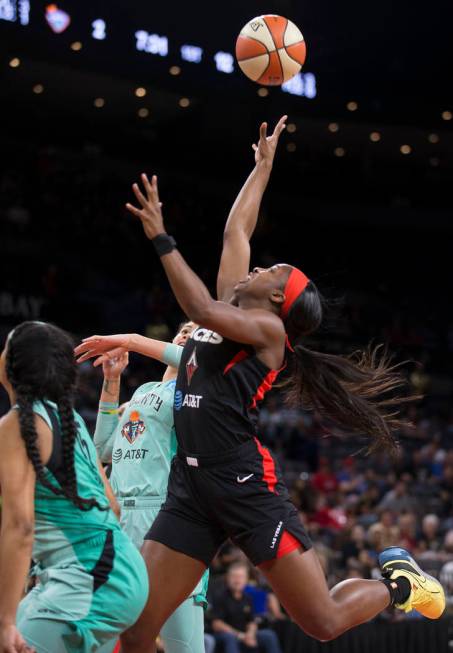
21,528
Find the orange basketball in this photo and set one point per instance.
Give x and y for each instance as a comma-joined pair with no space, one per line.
270,50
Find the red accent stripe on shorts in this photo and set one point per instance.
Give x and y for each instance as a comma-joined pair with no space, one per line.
117,647
237,359
287,544
269,476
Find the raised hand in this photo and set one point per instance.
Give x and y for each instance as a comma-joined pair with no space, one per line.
150,213
265,150
106,348
113,366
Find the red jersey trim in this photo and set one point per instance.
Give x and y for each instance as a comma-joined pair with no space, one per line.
269,476
240,356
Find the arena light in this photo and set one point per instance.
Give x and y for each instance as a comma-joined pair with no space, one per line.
175,70
11,10
99,29
140,91
405,149
352,106
184,102
434,161
76,46
333,127
38,89
447,115
99,102
57,19
263,92
291,147
224,62
143,112
14,63
301,84
433,138
375,137
151,43
291,128
191,53
339,151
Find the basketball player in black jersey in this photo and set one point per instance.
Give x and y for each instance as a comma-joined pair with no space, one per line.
224,483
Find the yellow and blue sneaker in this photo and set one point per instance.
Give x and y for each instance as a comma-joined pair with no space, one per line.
427,595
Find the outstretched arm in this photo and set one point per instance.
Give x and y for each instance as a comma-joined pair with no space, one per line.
108,348
256,327
241,223
107,418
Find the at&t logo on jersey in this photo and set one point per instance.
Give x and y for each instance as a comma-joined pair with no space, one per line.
131,454
133,428
188,400
206,335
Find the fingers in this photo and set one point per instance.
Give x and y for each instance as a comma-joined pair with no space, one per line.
139,195
133,209
151,188
263,131
87,355
155,188
280,126
148,188
254,147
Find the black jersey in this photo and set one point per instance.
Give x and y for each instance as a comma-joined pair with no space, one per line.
219,386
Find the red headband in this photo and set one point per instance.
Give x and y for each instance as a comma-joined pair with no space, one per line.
296,284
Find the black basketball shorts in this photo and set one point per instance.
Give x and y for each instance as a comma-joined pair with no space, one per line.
237,495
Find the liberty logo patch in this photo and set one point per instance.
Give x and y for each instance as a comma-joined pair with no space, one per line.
191,366
133,428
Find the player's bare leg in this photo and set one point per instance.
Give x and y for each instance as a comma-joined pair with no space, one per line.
298,581
172,577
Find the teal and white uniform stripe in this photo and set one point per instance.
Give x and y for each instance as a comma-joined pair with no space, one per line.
141,446
92,581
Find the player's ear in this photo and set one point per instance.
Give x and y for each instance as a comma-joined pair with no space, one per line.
277,296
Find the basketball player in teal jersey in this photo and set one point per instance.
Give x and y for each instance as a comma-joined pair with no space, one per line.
92,580
141,446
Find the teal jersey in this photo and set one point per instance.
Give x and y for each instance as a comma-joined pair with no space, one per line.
143,442
64,532
141,446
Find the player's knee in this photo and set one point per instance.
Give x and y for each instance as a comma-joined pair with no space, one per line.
324,629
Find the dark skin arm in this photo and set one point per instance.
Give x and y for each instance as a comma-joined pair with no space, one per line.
241,223
257,327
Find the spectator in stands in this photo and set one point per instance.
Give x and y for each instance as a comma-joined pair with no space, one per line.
384,533
398,499
233,621
430,541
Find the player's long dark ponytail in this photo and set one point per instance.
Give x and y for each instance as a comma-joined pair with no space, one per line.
357,392
40,365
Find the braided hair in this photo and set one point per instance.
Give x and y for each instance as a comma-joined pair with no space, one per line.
40,365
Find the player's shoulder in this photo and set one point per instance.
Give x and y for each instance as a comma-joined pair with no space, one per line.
9,428
150,386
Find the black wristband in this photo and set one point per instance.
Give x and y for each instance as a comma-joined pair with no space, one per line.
164,244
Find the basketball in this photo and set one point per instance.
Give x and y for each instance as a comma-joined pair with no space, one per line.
270,50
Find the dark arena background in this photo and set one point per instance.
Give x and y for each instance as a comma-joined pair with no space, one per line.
360,198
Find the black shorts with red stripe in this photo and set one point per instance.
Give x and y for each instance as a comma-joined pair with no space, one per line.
238,495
